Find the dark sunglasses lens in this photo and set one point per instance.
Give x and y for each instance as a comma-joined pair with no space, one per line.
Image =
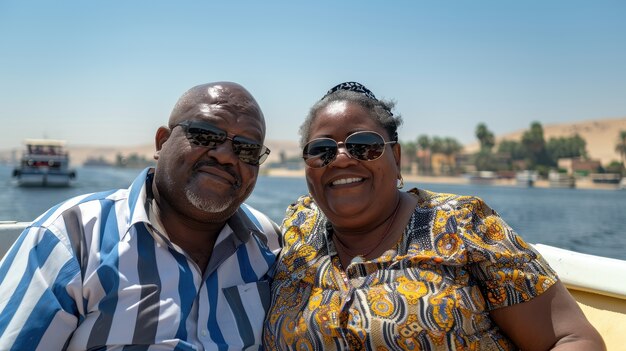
205,136
249,151
264,153
319,153
366,146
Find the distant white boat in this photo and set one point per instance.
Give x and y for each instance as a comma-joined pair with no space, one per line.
44,162
561,180
482,177
606,178
526,178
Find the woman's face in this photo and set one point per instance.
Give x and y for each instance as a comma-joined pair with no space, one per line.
350,192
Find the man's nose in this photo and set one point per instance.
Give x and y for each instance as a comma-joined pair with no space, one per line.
224,152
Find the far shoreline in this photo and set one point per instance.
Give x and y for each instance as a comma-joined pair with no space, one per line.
582,183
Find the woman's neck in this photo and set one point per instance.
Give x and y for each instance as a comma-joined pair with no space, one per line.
371,243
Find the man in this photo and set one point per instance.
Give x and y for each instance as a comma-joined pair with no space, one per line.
175,262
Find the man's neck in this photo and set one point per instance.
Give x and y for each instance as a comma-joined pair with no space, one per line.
195,238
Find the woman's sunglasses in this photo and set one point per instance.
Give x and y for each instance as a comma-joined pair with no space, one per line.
209,136
363,146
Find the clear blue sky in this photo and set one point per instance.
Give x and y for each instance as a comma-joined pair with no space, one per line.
109,72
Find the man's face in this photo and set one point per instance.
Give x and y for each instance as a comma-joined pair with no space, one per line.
208,183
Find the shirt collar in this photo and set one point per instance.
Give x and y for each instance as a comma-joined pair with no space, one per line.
243,228
139,203
139,197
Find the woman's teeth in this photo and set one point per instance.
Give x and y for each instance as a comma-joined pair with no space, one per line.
346,181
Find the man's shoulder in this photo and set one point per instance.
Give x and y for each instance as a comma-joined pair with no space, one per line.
99,204
262,225
90,205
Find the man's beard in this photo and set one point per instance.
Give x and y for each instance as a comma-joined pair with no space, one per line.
209,205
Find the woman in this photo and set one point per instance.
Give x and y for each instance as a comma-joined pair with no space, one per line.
366,266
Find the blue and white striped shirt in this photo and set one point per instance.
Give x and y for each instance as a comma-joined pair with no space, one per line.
92,273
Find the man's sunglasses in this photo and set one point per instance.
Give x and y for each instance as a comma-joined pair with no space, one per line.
363,146
207,135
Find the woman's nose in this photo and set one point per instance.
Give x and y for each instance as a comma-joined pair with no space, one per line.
343,157
342,149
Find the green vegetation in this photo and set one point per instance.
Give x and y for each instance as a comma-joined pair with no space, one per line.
532,152
133,161
620,148
485,137
424,150
565,147
534,146
484,159
614,167
437,155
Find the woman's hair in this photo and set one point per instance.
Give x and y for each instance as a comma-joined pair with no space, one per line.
380,110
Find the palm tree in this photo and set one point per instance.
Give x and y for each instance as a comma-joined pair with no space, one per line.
451,147
535,145
425,144
409,152
485,137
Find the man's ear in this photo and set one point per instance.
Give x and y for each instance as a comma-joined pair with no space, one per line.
162,134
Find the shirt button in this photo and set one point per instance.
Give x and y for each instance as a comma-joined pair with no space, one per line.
204,332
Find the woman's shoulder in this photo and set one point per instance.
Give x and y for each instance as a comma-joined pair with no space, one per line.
450,202
303,207
301,219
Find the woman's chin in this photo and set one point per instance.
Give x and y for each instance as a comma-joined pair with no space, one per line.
345,211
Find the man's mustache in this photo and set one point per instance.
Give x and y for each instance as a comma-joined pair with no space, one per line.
226,168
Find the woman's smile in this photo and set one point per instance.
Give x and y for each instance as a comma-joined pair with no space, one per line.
345,181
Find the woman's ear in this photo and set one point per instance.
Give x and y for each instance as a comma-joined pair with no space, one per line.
397,151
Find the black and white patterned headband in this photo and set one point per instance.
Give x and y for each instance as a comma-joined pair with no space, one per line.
351,86
357,88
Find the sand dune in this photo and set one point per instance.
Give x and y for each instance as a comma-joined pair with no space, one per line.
601,136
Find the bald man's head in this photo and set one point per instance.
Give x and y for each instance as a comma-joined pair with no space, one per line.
227,95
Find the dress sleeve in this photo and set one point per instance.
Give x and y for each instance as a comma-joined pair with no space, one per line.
507,269
300,219
38,280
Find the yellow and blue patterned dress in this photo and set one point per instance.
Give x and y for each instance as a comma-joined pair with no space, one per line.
456,261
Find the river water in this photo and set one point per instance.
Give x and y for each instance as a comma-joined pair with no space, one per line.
588,221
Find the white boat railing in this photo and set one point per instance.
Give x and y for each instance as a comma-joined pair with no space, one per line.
9,231
590,273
